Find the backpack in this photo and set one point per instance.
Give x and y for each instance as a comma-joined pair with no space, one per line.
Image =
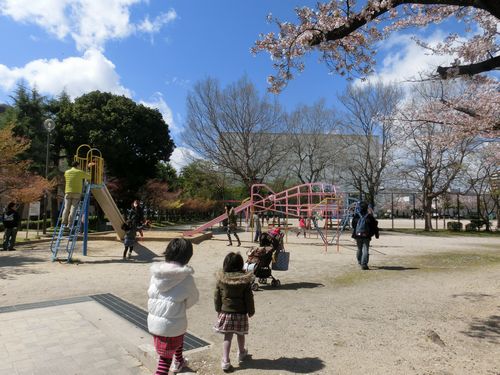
362,229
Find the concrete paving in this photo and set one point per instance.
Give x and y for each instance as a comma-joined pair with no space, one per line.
72,338
79,338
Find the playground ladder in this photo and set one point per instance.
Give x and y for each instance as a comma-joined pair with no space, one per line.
68,241
316,226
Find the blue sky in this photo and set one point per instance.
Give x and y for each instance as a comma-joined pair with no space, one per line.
155,50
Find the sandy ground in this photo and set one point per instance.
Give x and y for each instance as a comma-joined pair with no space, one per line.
429,304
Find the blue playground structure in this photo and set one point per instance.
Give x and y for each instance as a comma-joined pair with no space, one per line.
64,240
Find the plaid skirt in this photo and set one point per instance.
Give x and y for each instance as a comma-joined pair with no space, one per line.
232,323
166,346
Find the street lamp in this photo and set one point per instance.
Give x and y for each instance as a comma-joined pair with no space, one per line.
49,125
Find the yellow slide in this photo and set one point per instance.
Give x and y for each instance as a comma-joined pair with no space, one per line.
108,205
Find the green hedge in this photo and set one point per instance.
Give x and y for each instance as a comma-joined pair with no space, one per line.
454,226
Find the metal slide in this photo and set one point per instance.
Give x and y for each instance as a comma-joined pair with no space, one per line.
217,220
108,205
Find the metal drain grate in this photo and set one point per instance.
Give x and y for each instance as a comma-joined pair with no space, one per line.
139,317
38,305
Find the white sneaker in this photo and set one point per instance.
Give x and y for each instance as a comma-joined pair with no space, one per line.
242,355
178,366
226,366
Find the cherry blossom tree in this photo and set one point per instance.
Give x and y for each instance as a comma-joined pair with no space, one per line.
480,176
346,33
434,151
470,105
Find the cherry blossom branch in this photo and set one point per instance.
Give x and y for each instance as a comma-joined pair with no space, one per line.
469,69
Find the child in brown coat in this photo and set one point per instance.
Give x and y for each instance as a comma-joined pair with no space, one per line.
233,299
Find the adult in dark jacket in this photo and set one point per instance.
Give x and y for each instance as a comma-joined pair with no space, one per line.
363,233
11,221
232,226
136,215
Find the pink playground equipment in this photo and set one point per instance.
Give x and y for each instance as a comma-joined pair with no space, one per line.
316,201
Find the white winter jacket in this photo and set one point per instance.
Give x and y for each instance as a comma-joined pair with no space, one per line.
171,291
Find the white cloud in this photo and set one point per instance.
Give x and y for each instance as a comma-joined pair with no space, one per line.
157,102
155,26
181,157
90,23
177,81
404,60
75,75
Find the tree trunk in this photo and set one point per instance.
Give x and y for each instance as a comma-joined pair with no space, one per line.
427,206
54,210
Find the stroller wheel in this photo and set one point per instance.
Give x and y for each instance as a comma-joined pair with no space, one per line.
275,282
255,287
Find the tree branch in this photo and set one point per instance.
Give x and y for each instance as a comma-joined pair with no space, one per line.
469,69
358,20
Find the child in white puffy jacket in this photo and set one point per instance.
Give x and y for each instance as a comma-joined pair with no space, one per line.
171,291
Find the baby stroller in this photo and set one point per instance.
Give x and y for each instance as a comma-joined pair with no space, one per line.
276,238
259,261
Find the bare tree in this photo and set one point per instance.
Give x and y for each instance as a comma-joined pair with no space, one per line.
434,152
235,128
312,152
370,134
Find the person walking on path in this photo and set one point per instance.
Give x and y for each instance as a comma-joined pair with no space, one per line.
73,191
171,291
11,220
232,225
257,227
365,226
129,239
302,226
234,304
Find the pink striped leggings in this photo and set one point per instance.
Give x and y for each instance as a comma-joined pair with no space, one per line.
167,348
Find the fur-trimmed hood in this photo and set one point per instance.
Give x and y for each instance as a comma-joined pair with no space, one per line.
167,275
234,278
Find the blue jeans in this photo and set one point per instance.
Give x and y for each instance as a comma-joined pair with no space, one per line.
257,235
362,253
9,238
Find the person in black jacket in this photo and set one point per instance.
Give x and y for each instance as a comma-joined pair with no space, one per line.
136,216
364,227
11,221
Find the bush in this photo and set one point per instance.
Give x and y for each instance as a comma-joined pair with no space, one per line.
454,226
471,227
478,222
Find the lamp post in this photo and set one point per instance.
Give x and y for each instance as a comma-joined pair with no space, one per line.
49,125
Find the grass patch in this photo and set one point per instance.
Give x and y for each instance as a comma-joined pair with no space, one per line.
355,277
418,264
454,260
443,233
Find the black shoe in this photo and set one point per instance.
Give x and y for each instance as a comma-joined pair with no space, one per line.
365,267
229,244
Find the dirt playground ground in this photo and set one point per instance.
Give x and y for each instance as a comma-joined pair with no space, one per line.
429,304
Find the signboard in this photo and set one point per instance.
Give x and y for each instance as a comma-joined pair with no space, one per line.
34,209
